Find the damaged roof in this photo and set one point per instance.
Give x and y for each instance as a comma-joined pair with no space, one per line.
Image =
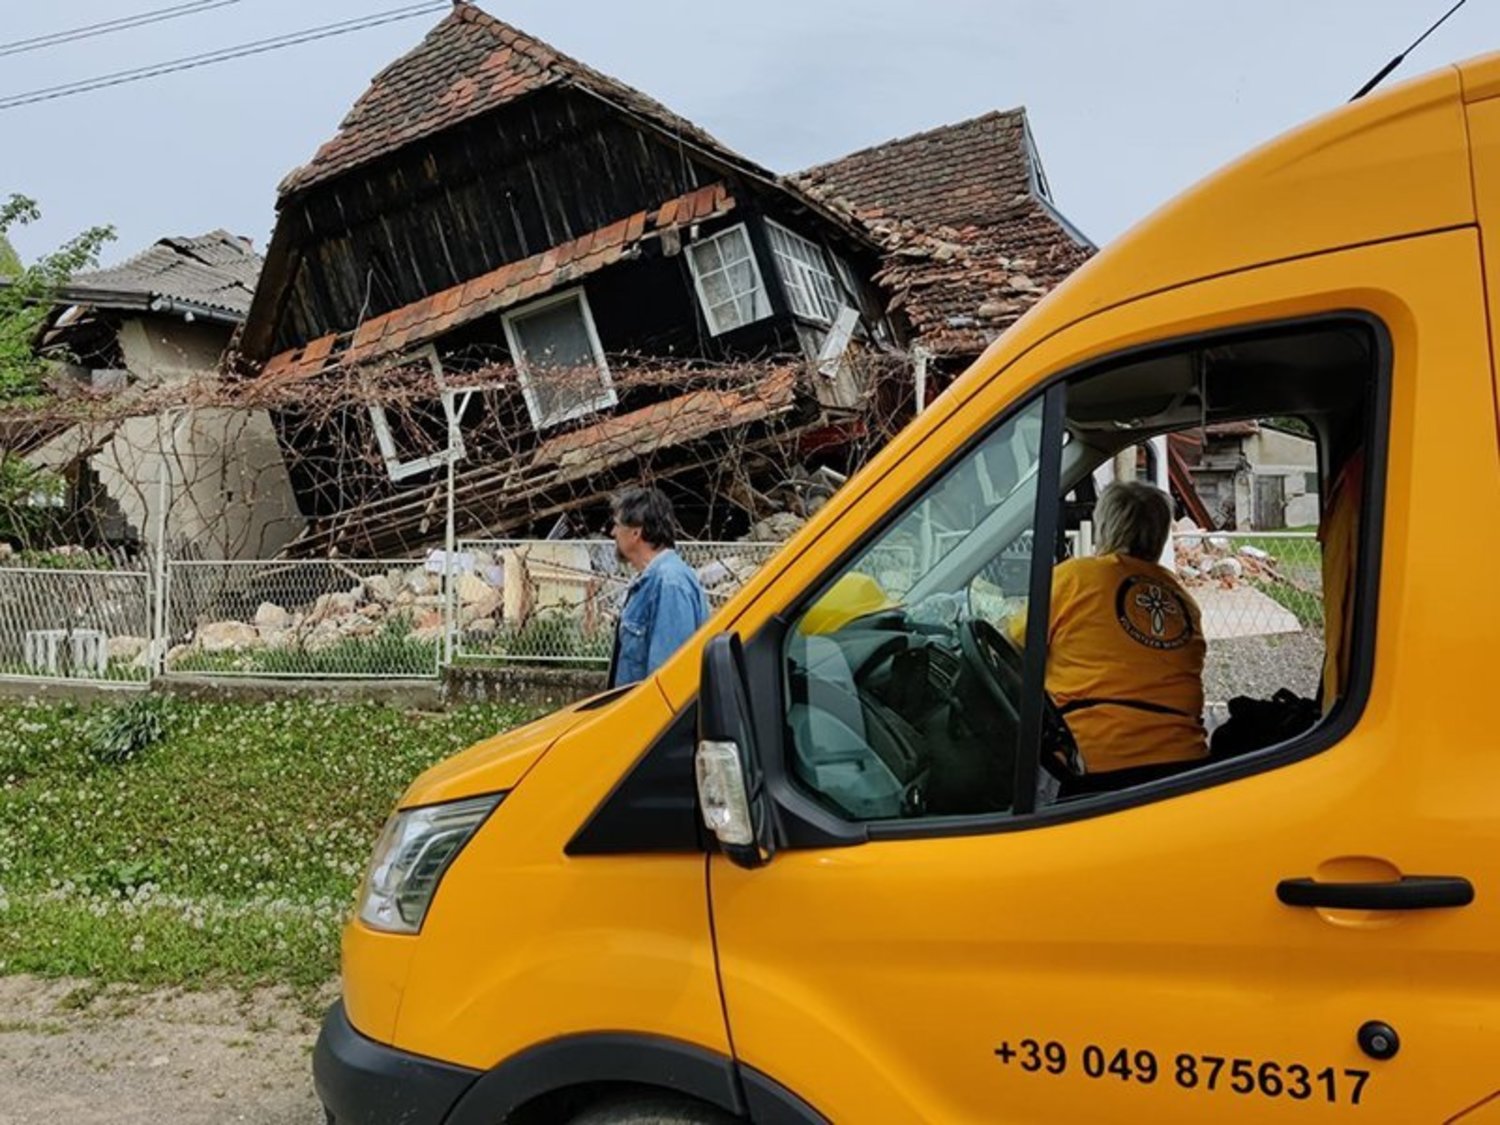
971,239
421,321
469,64
212,276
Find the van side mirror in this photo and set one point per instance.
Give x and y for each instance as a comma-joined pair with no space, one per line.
731,786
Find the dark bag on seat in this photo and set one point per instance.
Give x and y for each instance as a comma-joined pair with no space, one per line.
1257,723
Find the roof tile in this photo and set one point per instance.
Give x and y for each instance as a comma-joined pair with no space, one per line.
969,246
469,63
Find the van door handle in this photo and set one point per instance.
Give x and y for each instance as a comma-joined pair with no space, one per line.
1412,892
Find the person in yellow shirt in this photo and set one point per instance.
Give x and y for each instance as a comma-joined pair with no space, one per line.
1125,643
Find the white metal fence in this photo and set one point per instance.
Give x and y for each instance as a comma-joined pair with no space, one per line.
305,619
91,625
546,603
557,601
1252,584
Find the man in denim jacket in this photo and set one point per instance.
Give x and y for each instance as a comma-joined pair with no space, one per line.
665,604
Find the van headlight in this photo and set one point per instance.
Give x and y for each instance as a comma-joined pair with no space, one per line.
415,848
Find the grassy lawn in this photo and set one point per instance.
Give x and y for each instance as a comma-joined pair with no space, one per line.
166,842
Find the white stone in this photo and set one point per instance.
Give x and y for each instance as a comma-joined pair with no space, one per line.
270,616
489,606
1252,552
227,636
1230,568
379,588
127,648
472,589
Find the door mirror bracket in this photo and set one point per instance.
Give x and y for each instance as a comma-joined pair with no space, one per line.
732,795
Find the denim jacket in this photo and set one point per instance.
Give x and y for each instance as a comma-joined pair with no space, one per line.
663,607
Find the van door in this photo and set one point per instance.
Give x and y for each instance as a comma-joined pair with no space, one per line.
936,940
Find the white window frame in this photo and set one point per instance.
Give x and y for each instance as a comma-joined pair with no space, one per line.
400,470
601,401
802,264
759,293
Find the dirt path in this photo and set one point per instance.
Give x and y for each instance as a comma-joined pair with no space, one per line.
70,1051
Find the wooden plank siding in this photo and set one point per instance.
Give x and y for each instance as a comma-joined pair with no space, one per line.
466,201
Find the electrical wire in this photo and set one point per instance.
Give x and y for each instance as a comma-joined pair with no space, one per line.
1399,59
109,27
261,46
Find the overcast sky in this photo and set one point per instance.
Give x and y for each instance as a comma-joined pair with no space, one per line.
1129,102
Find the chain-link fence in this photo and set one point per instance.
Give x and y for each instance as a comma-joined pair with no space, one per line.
557,601
1250,584
92,625
534,602
1261,599
306,619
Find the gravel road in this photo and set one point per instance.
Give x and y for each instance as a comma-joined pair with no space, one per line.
72,1052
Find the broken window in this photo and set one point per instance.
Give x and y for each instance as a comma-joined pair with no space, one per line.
810,286
728,280
411,452
559,359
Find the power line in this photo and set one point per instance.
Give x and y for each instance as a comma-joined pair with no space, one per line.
261,46
109,27
1399,59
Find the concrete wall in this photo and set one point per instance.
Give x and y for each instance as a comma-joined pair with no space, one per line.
229,495
164,350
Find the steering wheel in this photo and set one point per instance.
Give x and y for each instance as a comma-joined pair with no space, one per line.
997,666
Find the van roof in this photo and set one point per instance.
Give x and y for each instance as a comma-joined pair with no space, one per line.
1480,77
1390,165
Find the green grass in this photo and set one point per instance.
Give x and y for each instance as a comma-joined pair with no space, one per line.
226,851
392,652
541,637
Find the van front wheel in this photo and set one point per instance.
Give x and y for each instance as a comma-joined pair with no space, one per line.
653,1109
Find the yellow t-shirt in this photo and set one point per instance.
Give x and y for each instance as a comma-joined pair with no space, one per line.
1125,630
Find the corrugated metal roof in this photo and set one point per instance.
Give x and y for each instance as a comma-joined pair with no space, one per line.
210,272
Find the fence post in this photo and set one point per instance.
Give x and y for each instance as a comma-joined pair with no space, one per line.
158,586
450,533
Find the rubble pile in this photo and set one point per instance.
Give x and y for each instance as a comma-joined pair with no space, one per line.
1206,558
569,580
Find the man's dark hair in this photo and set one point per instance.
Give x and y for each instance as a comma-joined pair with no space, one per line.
649,510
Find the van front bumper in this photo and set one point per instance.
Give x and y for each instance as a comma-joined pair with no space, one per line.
362,1082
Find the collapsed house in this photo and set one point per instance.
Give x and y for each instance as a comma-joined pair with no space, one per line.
212,481
550,284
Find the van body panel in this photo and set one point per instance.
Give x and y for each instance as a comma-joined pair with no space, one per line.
1383,168
1480,77
1484,138
524,944
375,965
493,765
879,980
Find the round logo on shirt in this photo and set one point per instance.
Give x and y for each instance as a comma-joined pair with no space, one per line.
1153,613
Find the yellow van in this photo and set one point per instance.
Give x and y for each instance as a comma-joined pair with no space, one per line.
832,866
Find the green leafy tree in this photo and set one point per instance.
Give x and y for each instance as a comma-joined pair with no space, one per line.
27,292
10,261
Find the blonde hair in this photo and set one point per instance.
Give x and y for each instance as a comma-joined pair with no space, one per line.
1132,518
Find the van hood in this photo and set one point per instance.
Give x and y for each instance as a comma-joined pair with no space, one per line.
497,763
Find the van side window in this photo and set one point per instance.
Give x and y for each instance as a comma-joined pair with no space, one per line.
1202,596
